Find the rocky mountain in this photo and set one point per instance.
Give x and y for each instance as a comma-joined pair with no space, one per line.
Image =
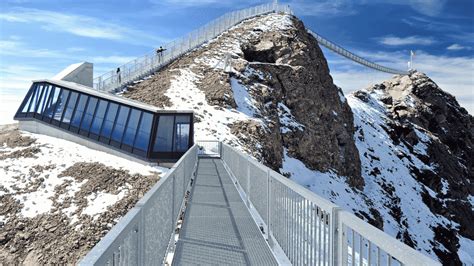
432,136
398,154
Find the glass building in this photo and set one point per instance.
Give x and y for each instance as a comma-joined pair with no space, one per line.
119,123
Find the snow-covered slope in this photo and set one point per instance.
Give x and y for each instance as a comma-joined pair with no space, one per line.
59,198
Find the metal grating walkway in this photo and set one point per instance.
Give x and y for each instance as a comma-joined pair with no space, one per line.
218,228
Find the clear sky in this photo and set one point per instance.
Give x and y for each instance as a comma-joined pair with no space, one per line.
40,38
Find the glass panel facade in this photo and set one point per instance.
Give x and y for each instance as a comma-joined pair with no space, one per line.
109,120
182,130
71,104
44,99
49,109
126,127
120,123
131,130
164,134
26,102
89,113
144,132
99,117
61,104
81,105
35,98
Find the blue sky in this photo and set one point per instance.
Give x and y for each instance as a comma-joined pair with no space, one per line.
40,38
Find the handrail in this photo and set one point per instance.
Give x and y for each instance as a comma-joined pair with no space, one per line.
339,50
153,60
143,235
308,228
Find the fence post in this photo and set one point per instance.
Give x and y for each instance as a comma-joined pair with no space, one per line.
248,182
269,209
141,239
336,237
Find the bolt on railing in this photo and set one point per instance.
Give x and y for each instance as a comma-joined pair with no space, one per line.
154,60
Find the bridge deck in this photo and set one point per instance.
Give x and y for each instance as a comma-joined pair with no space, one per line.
218,228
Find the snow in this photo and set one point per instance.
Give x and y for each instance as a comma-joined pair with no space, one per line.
445,186
244,101
421,147
377,151
62,154
287,120
99,202
470,198
466,250
184,94
328,185
341,96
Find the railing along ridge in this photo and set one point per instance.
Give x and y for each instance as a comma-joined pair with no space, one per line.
153,60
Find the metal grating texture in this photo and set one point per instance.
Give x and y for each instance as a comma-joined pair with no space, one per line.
218,228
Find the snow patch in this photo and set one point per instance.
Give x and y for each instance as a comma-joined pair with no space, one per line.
16,174
98,203
328,185
466,250
287,121
421,147
244,101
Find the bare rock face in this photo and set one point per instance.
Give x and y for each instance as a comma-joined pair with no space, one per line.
299,76
414,103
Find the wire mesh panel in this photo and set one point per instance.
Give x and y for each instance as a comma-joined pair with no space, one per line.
157,215
142,236
259,189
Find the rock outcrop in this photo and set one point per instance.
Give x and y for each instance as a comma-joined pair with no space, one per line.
433,136
293,108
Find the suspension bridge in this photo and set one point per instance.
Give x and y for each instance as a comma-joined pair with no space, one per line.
216,205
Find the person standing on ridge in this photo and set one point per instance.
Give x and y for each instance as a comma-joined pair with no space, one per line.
119,75
159,52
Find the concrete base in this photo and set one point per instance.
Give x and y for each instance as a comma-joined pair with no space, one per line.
39,127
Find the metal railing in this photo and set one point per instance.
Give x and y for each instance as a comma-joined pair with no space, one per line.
152,61
339,50
310,229
143,235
